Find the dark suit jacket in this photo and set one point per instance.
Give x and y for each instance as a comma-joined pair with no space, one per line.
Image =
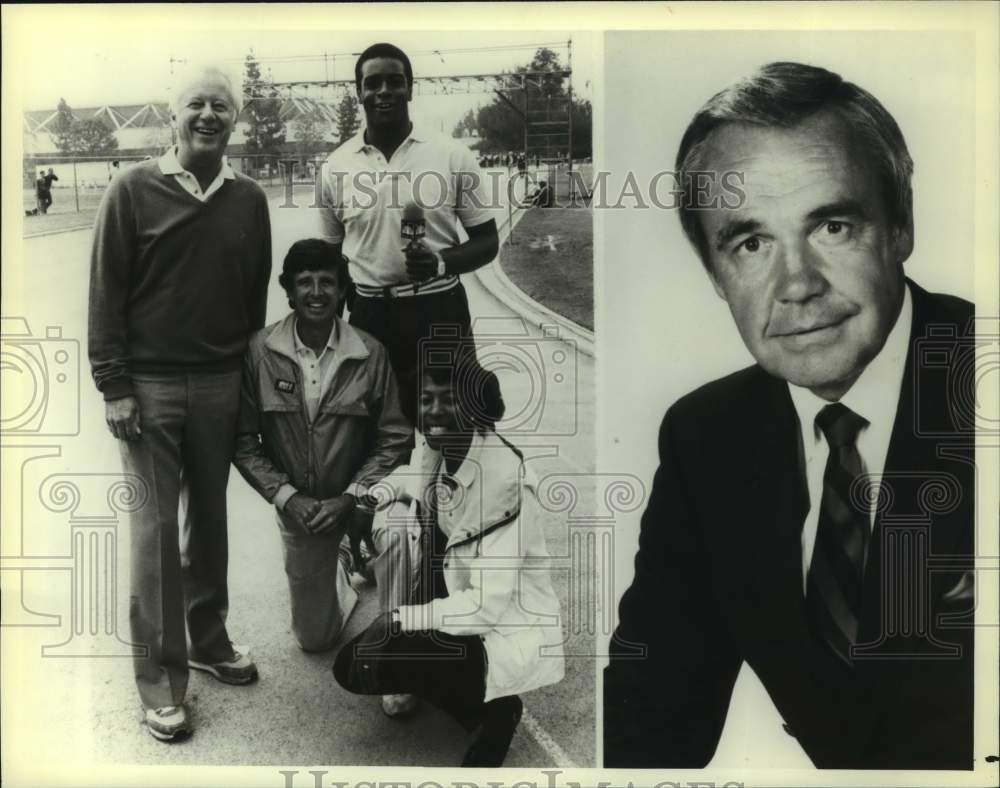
718,578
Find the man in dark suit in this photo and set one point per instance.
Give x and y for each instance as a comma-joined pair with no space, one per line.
813,514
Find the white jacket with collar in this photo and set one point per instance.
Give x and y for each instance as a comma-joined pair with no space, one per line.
496,565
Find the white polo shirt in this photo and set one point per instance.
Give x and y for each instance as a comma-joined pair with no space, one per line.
363,196
171,165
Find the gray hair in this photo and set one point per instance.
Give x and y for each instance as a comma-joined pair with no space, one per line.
194,72
783,95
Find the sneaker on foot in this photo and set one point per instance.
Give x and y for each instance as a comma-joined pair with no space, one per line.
490,746
239,670
168,723
399,706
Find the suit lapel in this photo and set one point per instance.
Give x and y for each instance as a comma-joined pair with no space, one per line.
914,460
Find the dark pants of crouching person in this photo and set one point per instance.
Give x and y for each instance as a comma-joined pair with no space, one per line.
448,671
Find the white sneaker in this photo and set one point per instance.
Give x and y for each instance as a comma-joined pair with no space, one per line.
239,670
168,723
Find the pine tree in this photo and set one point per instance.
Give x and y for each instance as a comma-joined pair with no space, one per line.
265,127
348,121
61,128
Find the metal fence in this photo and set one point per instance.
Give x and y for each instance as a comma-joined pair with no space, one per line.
80,181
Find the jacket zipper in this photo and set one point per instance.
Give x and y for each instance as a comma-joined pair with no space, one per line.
309,429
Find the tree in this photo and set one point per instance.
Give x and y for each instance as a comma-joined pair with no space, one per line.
583,124
310,130
72,135
91,136
466,126
348,121
265,127
546,60
61,128
501,126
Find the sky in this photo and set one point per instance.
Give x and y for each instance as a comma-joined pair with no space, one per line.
125,58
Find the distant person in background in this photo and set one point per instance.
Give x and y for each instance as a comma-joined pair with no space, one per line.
49,177
41,192
542,196
179,275
114,170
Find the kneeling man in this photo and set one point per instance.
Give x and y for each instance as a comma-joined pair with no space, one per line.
319,423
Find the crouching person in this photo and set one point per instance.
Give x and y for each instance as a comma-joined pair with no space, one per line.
319,422
482,624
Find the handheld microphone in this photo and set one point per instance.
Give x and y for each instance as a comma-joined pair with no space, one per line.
413,224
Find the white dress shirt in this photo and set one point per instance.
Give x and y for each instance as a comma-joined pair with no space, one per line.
171,165
875,397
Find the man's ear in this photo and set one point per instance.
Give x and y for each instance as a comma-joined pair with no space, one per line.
902,241
713,278
718,287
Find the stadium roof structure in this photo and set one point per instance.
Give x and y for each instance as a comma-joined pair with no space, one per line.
115,117
157,114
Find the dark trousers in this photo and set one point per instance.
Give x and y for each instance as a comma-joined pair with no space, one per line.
445,670
405,324
178,568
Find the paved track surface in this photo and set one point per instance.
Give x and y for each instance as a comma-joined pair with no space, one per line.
71,710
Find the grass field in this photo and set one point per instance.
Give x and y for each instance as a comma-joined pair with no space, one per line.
552,260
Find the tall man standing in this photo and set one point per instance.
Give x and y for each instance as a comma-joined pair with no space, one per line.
367,183
179,274
762,541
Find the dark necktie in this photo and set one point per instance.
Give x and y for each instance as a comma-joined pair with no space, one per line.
836,574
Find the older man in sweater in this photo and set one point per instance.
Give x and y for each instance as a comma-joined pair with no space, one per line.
179,274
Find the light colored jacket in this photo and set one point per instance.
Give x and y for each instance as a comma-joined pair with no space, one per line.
496,565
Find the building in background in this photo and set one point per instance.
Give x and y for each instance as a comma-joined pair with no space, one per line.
144,130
